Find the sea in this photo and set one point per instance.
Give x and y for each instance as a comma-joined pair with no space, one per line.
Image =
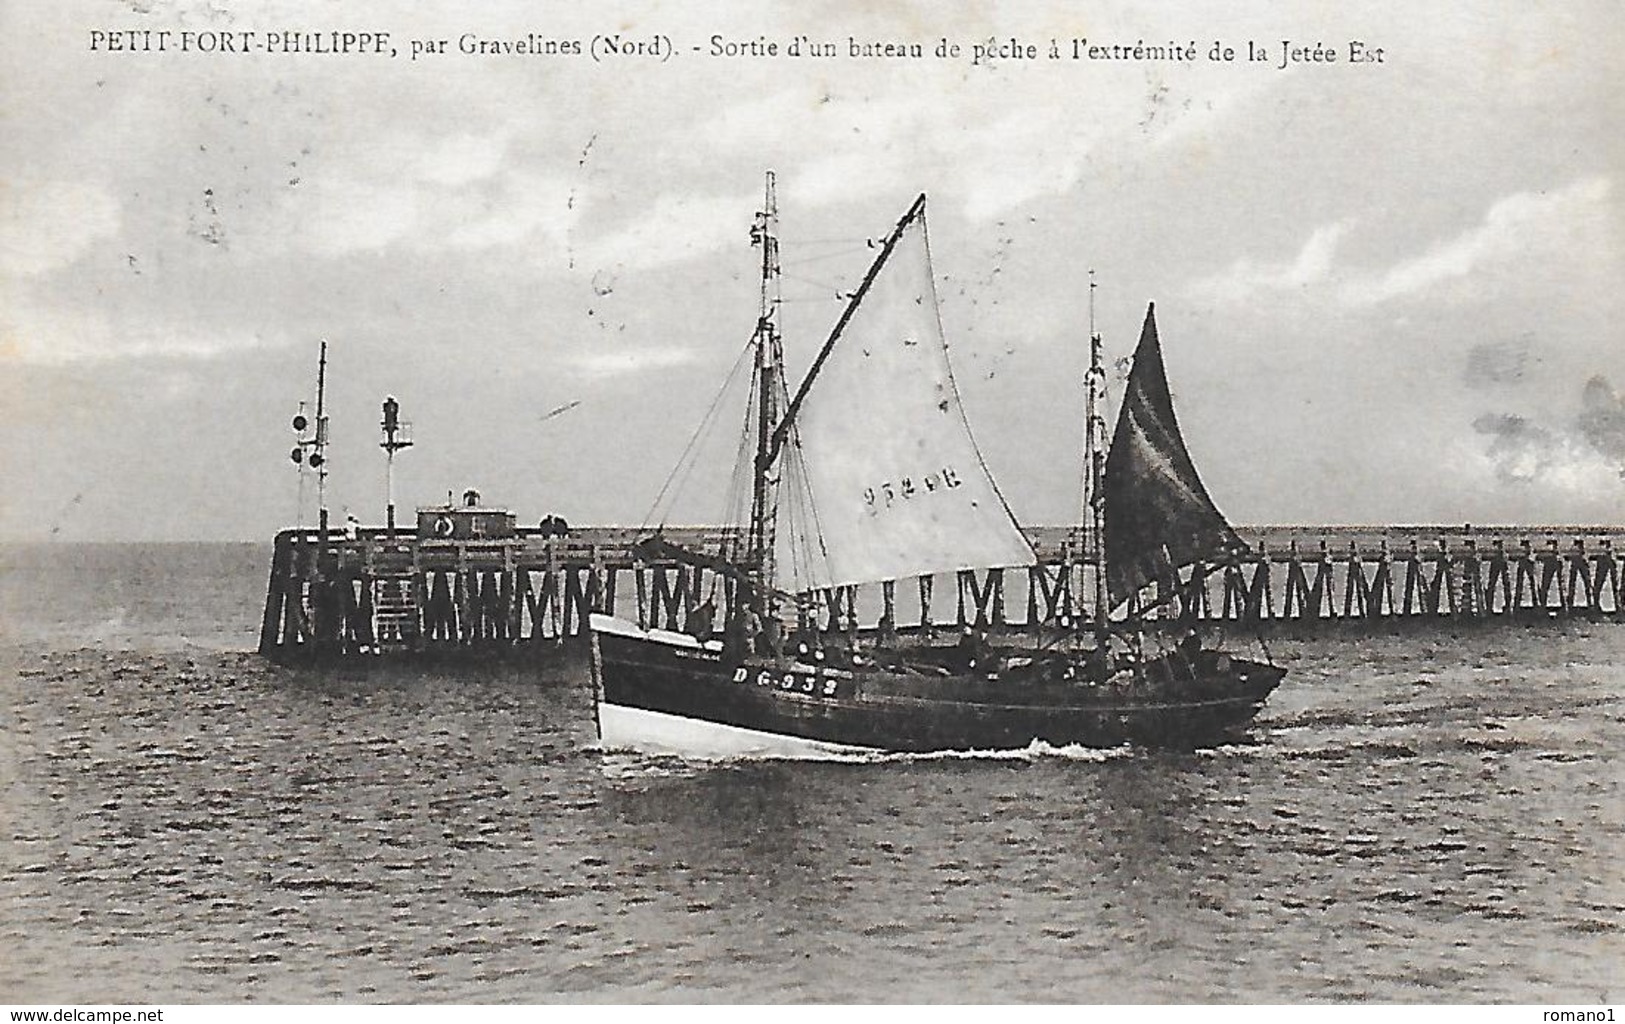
1425,816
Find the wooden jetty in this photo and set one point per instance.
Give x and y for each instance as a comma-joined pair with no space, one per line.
435,588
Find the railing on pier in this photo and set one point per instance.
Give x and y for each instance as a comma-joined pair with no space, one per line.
373,592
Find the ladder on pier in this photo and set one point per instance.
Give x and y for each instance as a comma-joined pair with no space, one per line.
395,609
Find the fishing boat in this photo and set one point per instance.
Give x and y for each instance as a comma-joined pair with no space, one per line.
869,473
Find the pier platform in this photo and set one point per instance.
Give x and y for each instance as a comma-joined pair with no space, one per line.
373,591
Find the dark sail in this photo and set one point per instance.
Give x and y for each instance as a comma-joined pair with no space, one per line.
1158,516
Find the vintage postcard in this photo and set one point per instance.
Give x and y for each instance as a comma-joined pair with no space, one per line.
835,502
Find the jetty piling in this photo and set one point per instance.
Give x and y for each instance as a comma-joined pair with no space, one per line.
377,590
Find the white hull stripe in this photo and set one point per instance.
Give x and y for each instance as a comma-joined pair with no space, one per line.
655,732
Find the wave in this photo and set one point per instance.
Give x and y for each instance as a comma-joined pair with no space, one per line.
622,763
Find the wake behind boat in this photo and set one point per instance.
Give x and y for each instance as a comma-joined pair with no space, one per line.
869,473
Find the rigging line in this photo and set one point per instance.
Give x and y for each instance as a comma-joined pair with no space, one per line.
736,507
953,385
820,258
859,242
790,529
741,485
800,500
681,474
1178,590
817,533
1085,478
774,443
816,576
825,286
694,440
802,505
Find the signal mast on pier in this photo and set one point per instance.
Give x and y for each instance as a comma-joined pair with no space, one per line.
397,435
315,443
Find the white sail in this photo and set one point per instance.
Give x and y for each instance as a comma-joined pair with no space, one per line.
897,485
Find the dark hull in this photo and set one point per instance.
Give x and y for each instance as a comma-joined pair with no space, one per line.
666,693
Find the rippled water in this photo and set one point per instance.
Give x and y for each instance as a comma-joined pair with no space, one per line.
1435,816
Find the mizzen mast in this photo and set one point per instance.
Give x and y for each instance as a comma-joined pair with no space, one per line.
1094,455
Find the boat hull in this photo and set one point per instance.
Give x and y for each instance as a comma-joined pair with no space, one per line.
661,692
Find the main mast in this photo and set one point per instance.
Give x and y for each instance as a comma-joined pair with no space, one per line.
1094,455
763,511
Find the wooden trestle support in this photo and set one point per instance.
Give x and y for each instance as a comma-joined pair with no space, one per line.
371,593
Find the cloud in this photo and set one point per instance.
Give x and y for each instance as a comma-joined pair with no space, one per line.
1602,419
1523,452
621,362
458,195
1312,265
57,335
461,159
1538,230
673,228
1003,140
1512,228
517,207
350,215
46,225
1587,453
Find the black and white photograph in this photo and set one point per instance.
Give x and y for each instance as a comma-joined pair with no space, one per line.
1046,502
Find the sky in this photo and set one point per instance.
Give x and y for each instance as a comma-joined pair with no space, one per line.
1388,292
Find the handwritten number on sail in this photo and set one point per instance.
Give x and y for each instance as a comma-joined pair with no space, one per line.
1158,515
896,480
